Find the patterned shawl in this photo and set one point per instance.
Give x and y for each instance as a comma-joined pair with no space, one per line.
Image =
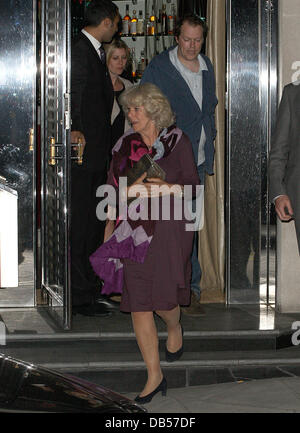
130,239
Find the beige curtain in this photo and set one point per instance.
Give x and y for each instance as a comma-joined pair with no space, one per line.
212,236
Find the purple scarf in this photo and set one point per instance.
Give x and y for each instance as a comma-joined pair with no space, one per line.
130,239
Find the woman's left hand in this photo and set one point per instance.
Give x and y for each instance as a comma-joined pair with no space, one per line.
157,187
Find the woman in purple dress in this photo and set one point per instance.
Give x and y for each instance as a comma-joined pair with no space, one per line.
146,255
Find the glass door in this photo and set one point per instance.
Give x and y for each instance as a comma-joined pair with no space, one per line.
252,101
17,153
56,155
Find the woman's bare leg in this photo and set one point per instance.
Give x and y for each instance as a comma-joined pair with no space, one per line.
147,339
171,318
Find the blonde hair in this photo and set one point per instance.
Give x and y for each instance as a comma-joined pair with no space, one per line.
155,103
116,44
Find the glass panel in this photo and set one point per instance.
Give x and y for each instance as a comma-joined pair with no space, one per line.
268,96
251,95
17,161
55,164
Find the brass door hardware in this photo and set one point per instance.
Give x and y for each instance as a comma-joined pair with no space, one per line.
31,139
52,159
80,149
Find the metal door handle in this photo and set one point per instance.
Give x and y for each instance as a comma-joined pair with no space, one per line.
52,160
80,151
31,139
80,148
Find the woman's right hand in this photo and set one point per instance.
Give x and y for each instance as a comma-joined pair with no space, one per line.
138,188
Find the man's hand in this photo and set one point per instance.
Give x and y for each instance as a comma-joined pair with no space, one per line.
284,208
77,136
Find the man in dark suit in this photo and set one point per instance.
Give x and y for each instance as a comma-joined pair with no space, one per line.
284,162
91,103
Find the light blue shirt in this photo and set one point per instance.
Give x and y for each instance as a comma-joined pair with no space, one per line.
194,81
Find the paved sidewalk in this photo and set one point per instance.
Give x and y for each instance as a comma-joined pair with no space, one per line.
277,395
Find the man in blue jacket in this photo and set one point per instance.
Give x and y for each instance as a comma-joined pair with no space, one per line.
186,77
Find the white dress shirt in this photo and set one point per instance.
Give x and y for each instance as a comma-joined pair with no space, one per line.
94,41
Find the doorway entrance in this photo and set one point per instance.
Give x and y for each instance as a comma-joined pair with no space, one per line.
34,48
34,239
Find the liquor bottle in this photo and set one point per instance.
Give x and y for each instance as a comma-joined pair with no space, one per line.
171,21
174,16
126,23
133,24
153,22
140,24
141,65
147,25
134,64
164,21
159,23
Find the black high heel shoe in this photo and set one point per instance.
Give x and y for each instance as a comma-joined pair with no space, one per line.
147,398
174,356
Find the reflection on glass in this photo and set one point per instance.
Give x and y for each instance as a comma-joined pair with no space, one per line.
266,318
245,238
17,89
250,74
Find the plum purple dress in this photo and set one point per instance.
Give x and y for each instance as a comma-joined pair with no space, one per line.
148,259
163,281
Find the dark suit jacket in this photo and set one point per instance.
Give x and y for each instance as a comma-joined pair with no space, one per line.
284,161
91,102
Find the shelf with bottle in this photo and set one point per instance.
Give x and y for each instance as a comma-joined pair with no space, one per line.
147,17
139,17
147,27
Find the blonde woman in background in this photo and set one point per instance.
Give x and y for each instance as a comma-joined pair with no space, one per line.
117,58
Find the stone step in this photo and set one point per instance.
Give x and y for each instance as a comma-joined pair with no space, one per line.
127,373
198,341
108,352
115,361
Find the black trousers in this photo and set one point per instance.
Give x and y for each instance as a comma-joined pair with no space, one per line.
87,232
